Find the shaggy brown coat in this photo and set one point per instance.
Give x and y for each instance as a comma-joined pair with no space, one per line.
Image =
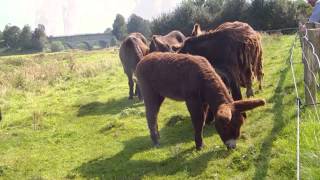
249,50
191,79
168,43
132,50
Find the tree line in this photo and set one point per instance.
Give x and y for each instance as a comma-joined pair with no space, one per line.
25,40
135,24
260,14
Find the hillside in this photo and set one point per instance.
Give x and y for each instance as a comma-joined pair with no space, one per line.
67,116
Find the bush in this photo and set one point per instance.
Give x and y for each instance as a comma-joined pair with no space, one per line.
113,41
261,15
56,46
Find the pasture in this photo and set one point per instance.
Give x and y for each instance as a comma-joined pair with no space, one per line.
66,116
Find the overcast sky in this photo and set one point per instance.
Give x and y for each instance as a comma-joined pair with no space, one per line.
67,17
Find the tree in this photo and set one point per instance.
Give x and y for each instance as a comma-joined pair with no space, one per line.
39,38
232,10
161,24
11,36
119,27
304,11
182,19
108,30
56,46
2,44
260,14
138,24
113,41
25,38
213,6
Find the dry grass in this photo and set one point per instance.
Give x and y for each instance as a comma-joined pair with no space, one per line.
29,73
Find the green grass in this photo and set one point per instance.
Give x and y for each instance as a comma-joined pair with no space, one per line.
67,116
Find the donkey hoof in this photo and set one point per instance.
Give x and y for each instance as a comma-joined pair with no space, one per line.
199,147
157,145
249,94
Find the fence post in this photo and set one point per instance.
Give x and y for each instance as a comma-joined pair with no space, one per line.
311,64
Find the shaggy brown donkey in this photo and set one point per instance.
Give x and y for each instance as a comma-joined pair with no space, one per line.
132,50
252,49
191,79
249,50
168,43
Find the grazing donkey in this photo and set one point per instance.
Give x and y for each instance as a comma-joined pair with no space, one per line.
132,50
168,43
191,79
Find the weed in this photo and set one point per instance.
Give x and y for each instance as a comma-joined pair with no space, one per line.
37,118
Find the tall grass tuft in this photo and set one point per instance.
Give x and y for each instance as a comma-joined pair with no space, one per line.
37,117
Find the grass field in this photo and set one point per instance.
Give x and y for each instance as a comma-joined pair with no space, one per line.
67,116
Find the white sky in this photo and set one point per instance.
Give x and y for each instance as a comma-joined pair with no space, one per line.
67,17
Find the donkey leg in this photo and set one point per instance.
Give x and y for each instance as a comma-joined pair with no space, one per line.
152,103
249,91
236,91
135,89
209,117
236,95
197,112
260,85
260,79
248,83
130,83
138,92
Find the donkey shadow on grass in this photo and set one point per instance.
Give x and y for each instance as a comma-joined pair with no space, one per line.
111,107
122,166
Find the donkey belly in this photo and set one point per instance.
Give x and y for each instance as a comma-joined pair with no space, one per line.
173,95
174,90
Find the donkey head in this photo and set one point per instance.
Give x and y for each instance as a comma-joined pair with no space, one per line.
229,119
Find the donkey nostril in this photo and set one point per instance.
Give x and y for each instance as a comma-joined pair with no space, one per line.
230,147
231,144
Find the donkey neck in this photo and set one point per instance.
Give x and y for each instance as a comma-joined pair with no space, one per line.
216,92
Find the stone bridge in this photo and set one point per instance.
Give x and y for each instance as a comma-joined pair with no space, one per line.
89,40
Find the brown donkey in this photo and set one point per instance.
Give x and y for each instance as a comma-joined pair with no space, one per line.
132,50
249,51
168,43
191,79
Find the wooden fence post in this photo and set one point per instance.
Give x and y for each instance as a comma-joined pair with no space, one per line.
311,63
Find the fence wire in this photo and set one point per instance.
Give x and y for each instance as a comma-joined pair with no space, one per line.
305,37
298,100
306,44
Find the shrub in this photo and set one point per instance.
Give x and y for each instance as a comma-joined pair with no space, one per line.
56,46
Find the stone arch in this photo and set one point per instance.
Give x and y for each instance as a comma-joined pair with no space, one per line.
67,45
103,44
87,46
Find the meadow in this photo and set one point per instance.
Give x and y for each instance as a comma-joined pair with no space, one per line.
67,116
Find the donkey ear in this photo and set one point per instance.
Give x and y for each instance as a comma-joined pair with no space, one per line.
176,47
196,30
157,40
224,112
245,105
